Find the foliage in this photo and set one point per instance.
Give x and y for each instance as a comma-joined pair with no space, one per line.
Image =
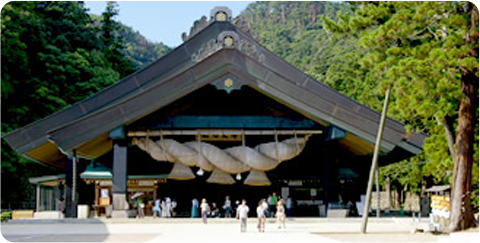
5,216
294,31
428,52
53,55
405,173
139,50
418,47
136,48
113,42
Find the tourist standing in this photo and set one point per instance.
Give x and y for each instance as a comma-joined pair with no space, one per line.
194,208
273,204
265,207
227,207
261,216
164,208
288,206
156,209
168,204
61,205
280,214
204,209
242,214
140,208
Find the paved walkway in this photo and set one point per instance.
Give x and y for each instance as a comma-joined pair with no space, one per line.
223,230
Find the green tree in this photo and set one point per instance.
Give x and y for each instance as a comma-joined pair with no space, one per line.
428,51
51,58
114,42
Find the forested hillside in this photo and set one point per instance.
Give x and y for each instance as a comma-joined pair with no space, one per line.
295,32
136,47
53,55
139,50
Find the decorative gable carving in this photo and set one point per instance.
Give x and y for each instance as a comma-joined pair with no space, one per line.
197,27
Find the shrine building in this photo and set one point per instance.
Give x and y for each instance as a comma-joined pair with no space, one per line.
218,115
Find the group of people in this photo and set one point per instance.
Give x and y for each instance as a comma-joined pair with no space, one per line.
272,202
205,210
162,208
273,206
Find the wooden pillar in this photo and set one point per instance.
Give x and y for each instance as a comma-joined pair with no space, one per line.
326,162
119,180
96,202
38,197
70,187
119,183
56,196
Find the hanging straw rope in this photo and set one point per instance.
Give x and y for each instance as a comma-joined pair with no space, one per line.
276,146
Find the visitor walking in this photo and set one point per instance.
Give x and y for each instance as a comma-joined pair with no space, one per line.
261,216
242,214
164,208
265,207
273,204
269,202
227,206
156,209
140,208
168,204
194,208
280,214
204,209
288,206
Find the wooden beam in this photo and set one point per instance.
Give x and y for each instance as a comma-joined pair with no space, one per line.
157,133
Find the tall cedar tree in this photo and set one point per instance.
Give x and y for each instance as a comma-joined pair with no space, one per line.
428,51
113,41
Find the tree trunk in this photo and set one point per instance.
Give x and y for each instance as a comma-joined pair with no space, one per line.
461,216
448,126
389,198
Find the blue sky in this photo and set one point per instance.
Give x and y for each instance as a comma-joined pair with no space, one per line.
164,21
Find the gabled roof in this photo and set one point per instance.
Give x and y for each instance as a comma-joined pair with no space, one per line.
203,59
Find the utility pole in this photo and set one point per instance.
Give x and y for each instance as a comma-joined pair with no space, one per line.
377,176
378,141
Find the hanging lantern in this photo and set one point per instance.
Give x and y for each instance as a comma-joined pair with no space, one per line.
238,177
200,172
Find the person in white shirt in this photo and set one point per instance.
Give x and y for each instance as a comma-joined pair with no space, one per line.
205,209
265,207
280,214
242,214
261,216
168,203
